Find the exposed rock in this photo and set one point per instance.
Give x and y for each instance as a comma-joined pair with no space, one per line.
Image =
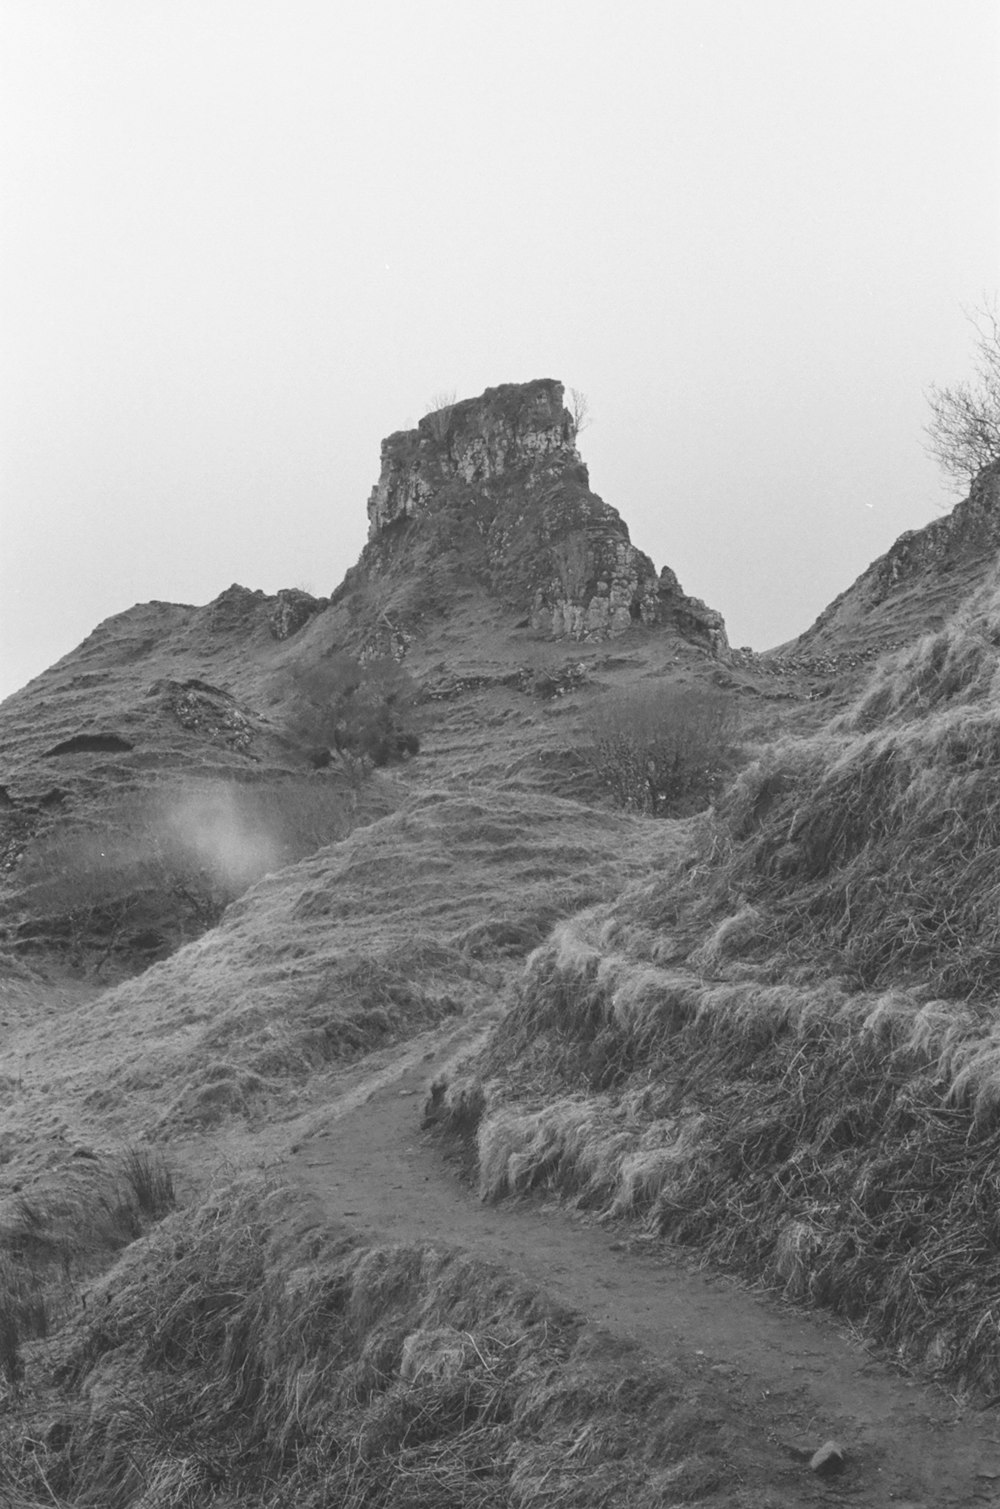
292,610
555,682
691,616
235,608
494,487
830,1460
206,710
971,530
913,588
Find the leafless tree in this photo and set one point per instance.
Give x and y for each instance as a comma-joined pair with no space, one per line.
442,409
963,434
579,407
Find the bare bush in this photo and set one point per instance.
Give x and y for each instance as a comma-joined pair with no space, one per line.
442,410
579,407
665,750
963,434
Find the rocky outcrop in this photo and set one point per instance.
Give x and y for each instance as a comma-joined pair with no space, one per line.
208,711
917,584
291,611
474,442
496,486
691,617
970,531
235,609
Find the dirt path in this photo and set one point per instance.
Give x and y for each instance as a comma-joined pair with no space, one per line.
783,1380
788,1379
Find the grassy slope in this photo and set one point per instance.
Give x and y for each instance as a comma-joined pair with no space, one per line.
375,937
247,1354
291,1343
786,1050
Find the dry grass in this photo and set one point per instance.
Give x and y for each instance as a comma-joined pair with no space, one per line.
842,1145
66,1230
784,1049
159,864
420,916
243,1354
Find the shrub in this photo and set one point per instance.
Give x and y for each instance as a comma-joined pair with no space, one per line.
665,750
364,710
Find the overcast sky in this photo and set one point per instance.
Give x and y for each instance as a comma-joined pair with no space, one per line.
243,240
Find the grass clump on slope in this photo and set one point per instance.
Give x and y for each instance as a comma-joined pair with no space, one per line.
244,1354
65,1230
786,1050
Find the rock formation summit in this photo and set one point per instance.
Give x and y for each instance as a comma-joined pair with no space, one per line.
494,488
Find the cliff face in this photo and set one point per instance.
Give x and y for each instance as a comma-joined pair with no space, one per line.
496,485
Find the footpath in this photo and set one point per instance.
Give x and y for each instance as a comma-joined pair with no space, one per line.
788,1380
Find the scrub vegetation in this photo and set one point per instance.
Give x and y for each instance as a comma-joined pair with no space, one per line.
665,750
365,710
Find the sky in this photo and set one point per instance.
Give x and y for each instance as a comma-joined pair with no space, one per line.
243,240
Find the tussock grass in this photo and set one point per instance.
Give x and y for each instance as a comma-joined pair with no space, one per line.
65,1230
784,1047
840,1144
245,1354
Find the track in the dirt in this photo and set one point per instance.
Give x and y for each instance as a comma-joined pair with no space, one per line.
788,1376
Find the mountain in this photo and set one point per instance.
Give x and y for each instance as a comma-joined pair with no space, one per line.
182,751
310,904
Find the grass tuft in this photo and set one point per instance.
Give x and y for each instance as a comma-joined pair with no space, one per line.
245,1354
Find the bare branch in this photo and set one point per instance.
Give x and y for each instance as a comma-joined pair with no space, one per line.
579,407
963,433
441,411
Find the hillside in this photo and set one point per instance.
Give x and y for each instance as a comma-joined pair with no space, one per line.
373,1089
913,589
172,758
783,1048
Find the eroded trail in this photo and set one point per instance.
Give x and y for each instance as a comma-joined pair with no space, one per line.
786,1379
